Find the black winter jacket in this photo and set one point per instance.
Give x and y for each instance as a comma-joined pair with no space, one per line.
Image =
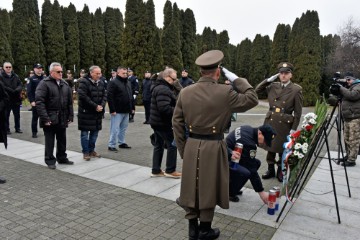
31,87
13,87
119,95
4,101
163,101
90,96
54,102
146,93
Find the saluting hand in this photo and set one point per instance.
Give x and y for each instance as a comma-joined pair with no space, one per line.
272,78
229,75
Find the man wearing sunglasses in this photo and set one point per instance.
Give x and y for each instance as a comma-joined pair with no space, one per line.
13,88
351,114
285,108
54,104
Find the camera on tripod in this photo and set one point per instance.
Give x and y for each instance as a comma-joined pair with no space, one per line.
337,82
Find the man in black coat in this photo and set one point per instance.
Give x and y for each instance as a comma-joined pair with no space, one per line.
92,100
31,87
146,95
120,101
185,80
163,101
54,104
13,88
246,165
3,103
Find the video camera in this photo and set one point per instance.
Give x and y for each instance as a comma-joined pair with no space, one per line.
338,81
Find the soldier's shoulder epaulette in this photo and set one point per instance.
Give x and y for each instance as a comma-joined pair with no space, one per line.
297,86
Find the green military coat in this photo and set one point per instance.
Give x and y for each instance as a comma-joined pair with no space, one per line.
206,107
285,108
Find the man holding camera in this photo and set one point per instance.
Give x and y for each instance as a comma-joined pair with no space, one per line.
285,108
351,114
205,108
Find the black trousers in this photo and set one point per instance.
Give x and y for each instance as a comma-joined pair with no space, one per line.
15,108
246,171
161,138
34,120
50,133
147,110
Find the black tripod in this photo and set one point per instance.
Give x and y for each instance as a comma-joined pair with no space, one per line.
321,138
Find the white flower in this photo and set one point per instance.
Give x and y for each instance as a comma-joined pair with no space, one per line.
296,153
304,150
300,155
297,146
312,121
306,145
310,116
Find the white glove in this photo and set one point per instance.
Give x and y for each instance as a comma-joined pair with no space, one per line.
292,131
229,75
272,78
134,96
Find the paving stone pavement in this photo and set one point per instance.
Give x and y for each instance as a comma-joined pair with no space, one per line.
39,203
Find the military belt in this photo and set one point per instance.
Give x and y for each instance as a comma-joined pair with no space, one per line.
278,110
218,136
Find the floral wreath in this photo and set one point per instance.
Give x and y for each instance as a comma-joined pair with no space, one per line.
296,148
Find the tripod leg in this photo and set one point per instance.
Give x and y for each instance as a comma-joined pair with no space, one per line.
332,176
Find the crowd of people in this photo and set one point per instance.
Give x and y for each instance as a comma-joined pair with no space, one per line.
186,118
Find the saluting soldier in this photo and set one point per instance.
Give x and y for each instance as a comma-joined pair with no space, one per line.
285,108
205,108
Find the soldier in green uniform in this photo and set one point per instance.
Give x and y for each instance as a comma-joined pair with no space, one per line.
205,108
285,108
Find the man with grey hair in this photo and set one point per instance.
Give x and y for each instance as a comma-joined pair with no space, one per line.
13,88
163,101
54,103
92,100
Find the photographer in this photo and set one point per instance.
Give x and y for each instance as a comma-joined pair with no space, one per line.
351,114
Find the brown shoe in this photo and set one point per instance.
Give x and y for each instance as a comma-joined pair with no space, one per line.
86,157
173,175
160,174
95,154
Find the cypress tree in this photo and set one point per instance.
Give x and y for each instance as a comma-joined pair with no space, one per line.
223,45
244,58
306,56
171,42
279,51
114,27
152,60
25,36
208,40
260,53
52,32
328,49
99,44
86,40
189,46
167,13
131,43
71,35
5,30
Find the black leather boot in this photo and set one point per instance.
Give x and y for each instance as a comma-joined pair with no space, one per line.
208,233
270,173
193,229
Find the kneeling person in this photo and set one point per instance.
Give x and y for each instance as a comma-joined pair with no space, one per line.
250,138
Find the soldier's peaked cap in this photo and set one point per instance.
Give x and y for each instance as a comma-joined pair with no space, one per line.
210,59
285,67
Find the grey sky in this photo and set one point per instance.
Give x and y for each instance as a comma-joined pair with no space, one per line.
242,18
